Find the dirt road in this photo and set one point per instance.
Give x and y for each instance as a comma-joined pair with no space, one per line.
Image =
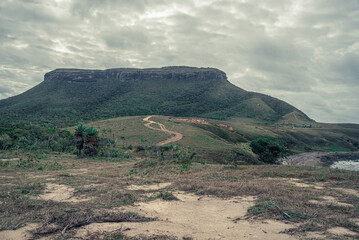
177,136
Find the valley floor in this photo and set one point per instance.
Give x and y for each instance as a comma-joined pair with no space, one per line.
138,198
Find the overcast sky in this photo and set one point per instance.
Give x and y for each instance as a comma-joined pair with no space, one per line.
305,52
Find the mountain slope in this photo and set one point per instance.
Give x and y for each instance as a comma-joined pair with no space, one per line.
75,94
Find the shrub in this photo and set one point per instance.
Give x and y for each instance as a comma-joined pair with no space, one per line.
268,150
34,137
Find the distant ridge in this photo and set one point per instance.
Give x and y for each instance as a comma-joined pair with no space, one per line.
70,95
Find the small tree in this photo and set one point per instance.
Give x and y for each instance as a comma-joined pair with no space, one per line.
87,139
91,141
79,134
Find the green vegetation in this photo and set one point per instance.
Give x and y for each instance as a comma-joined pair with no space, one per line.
226,142
269,150
66,102
28,136
87,139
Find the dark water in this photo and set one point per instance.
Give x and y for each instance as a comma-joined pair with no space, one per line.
347,165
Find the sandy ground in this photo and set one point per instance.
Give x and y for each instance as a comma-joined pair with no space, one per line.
149,187
198,218
177,136
19,234
192,216
60,193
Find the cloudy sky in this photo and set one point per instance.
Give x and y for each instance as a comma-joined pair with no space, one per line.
305,52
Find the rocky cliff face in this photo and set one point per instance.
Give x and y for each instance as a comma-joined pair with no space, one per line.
133,74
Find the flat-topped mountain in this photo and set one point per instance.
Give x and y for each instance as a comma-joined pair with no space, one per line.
133,74
70,95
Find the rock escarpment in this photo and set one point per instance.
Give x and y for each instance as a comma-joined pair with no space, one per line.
133,74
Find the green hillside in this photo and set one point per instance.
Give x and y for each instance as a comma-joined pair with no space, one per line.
67,96
227,141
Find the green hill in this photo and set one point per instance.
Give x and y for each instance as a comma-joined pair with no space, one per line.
227,141
67,96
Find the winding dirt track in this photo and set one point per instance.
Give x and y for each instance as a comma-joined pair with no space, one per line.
177,136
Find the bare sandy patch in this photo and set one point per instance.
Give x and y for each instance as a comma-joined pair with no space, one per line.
51,179
77,171
199,217
152,187
327,200
355,220
348,191
9,159
314,235
342,231
21,233
60,193
196,120
298,183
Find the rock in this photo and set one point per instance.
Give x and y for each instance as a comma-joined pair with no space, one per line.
133,74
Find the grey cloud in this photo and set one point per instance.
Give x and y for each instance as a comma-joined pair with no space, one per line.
347,68
4,90
304,52
127,38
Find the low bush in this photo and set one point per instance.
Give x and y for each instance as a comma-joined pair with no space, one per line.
269,150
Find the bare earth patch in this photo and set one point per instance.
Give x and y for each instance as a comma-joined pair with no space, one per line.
342,231
77,171
348,191
195,120
199,218
298,183
356,221
314,235
21,233
329,200
149,187
60,193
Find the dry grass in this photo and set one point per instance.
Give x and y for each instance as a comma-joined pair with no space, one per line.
60,222
118,235
106,184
